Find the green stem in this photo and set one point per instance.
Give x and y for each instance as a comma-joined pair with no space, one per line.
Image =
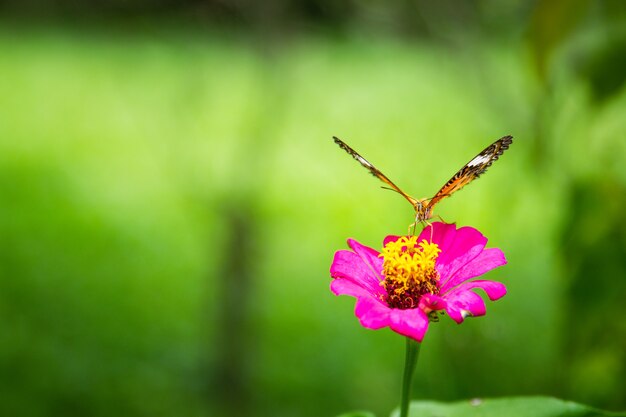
412,352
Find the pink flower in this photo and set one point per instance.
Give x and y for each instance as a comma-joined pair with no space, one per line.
416,276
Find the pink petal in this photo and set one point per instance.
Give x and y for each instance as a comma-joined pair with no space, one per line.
346,286
432,302
362,268
468,243
463,304
369,255
412,322
390,238
441,233
372,313
487,260
494,290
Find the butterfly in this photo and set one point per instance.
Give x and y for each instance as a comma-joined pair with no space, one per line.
424,206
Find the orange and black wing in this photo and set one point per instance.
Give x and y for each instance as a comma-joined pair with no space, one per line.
473,169
373,170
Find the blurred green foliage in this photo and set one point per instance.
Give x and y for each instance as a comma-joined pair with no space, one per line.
535,406
170,204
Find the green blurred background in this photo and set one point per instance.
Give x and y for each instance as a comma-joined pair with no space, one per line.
171,199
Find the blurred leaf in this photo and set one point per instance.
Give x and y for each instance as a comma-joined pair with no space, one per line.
551,23
605,69
358,414
510,407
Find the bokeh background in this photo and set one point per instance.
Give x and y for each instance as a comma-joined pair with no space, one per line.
171,199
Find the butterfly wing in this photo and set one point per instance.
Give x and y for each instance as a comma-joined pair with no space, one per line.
473,169
373,170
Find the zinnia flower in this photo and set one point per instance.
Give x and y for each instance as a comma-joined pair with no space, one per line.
417,276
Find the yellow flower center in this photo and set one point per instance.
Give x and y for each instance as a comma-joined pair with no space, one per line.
409,271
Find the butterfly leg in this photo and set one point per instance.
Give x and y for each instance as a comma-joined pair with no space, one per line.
442,220
430,225
424,223
412,226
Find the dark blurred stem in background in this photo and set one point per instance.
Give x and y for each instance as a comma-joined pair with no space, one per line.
230,380
236,347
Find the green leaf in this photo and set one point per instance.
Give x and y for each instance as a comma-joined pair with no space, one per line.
505,407
358,414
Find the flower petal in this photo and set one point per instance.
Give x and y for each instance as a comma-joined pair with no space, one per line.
463,304
363,266
368,254
412,322
494,290
372,313
430,302
440,233
467,243
487,260
390,238
346,286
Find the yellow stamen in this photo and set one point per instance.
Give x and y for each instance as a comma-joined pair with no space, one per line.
409,270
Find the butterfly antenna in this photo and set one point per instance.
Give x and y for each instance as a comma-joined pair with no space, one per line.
390,189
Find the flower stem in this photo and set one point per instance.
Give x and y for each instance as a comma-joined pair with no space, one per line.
412,352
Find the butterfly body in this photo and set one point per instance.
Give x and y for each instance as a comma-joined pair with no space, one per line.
423,210
472,170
